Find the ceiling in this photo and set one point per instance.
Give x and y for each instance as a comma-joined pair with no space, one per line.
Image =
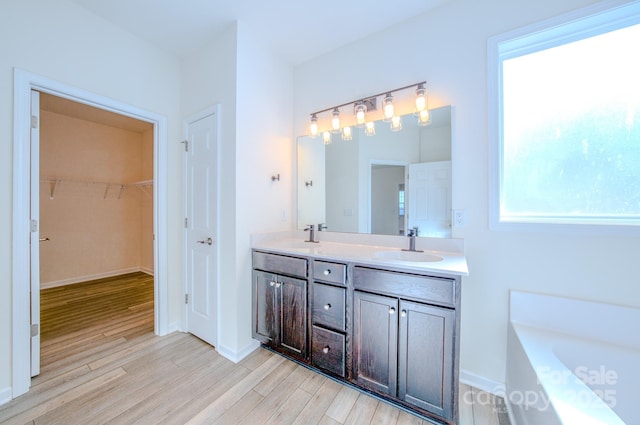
298,30
84,112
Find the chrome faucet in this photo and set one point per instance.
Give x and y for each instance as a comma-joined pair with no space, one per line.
412,240
312,233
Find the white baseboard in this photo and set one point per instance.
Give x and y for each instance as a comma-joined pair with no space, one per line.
5,395
237,356
147,270
53,284
482,383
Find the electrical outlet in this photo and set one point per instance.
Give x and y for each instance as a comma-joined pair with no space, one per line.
458,218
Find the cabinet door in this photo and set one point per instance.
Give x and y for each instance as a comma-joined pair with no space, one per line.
375,342
265,319
293,314
425,364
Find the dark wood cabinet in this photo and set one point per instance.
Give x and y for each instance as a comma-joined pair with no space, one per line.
391,331
280,307
404,346
426,357
375,335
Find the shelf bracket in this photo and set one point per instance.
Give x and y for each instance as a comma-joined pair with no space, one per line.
52,188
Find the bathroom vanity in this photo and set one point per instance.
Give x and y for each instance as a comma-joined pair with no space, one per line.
381,319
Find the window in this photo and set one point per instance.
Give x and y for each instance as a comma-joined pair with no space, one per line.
566,120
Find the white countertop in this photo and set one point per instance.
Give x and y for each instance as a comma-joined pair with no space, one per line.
442,257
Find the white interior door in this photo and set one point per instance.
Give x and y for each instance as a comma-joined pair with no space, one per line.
35,233
429,198
202,226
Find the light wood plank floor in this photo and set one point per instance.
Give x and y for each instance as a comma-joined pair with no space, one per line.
102,364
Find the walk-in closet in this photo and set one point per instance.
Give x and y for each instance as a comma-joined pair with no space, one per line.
96,216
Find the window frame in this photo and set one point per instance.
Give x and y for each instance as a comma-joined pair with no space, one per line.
587,22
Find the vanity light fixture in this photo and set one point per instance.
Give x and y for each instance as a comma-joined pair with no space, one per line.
396,123
346,133
335,121
424,118
421,98
388,108
361,111
370,128
365,105
314,125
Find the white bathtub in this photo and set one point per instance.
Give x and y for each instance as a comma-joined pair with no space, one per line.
572,362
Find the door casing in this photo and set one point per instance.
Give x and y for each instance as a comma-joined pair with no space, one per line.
24,82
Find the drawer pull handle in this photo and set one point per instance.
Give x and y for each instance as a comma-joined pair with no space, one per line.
326,349
392,310
327,306
327,272
403,313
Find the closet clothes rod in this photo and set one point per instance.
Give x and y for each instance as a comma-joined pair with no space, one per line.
54,182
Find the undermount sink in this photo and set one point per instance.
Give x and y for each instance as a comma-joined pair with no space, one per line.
414,256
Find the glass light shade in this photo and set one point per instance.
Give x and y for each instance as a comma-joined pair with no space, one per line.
326,137
421,99
370,129
396,123
388,108
335,121
361,111
346,133
313,126
424,117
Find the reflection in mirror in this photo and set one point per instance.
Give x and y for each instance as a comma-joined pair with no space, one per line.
382,184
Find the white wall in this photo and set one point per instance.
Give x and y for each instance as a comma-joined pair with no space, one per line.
265,147
255,93
447,47
65,43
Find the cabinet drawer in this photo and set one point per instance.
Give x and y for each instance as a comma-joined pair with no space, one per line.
328,350
282,264
329,272
428,289
329,306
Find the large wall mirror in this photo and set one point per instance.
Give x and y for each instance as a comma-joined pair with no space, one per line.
382,184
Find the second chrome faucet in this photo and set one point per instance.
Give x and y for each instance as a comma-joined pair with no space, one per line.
412,233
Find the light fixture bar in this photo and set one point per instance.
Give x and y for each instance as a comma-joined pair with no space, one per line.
365,99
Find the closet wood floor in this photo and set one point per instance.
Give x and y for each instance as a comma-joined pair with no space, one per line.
102,364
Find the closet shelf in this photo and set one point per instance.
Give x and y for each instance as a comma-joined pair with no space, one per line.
55,182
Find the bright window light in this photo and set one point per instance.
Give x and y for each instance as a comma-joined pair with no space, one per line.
569,124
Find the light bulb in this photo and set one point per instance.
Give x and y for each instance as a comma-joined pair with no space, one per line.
335,121
361,110
313,127
326,137
421,98
370,129
388,108
346,133
396,123
424,117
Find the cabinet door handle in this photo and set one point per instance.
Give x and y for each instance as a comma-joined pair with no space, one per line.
392,310
326,349
327,272
272,283
403,313
278,284
327,306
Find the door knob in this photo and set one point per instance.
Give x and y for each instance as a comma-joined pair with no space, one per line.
208,241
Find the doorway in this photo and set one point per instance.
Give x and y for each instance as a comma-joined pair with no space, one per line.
95,215
24,228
